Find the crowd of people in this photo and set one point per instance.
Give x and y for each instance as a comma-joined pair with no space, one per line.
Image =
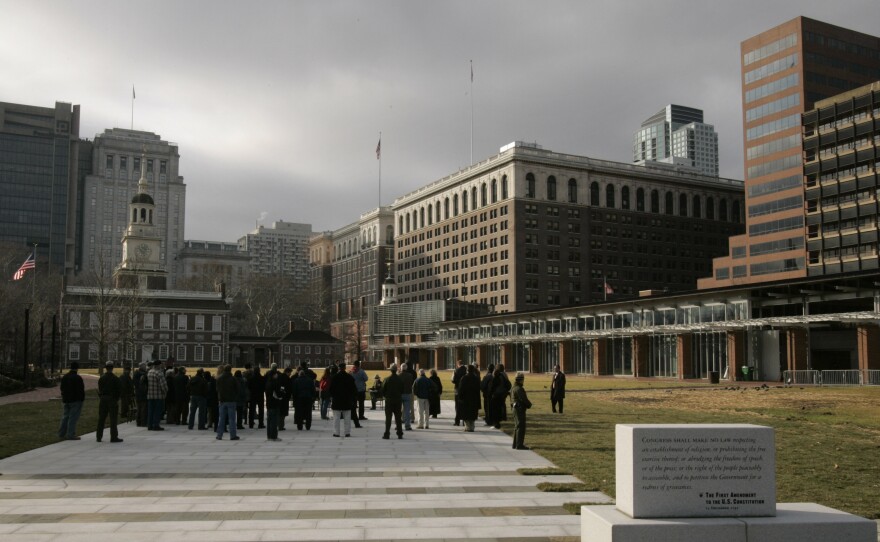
226,401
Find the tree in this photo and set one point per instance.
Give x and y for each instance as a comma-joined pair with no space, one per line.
355,338
265,305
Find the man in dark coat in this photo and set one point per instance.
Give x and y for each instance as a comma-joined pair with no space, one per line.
435,398
140,393
557,389
286,382
303,398
198,400
227,394
257,387
469,395
126,396
274,395
408,377
499,389
181,395
392,391
109,391
73,394
459,373
343,394
521,403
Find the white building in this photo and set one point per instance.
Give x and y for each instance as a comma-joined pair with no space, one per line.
282,249
677,135
116,168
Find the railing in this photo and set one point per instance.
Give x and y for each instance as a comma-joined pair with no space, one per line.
852,377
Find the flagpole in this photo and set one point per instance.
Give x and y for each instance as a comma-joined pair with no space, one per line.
472,112
132,107
604,287
379,156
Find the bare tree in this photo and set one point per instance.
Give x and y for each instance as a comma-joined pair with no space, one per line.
266,305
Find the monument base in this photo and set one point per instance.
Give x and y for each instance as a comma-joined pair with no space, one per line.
794,522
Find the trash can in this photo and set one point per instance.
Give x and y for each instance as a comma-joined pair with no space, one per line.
745,372
714,377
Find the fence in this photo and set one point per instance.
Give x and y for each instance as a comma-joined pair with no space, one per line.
852,377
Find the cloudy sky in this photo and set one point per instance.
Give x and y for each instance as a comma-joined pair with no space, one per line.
277,106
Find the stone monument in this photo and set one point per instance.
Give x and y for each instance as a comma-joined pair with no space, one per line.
697,482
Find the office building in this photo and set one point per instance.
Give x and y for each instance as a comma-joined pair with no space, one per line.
785,71
281,250
117,155
530,228
677,135
205,263
39,168
841,160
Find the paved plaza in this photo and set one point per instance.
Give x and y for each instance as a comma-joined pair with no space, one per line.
435,484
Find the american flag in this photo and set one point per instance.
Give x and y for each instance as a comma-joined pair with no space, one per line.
608,288
28,264
379,149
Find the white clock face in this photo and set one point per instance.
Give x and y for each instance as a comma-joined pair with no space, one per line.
143,251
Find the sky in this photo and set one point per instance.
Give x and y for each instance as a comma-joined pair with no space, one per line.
277,106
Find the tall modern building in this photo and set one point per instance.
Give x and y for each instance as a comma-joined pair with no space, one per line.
785,71
841,161
205,263
281,250
116,159
677,135
530,228
39,167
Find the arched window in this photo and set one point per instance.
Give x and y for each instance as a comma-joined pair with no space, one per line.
609,196
494,190
722,210
682,205
400,224
415,220
474,198
464,201
736,211
624,198
669,204
407,223
530,185
594,194
455,205
640,199
134,215
143,215
389,235
422,217
446,209
697,208
437,211
572,191
430,214
551,188
504,187
483,198
710,208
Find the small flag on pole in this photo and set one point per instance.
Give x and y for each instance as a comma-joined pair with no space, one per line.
379,149
28,264
472,71
608,288
132,92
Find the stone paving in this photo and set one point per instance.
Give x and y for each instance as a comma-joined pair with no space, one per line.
435,484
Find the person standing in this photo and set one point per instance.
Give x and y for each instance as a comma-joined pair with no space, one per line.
213,402
409,378
485,384
438,391
303,398
73,395
459,373
126,397
324,391
360,381
469,394
274,395
557,389
241,400
109,391
423,389
342,396
157,388
521,403
375,391
227,396
181,395
499,390
140,393
257,386
392,391
286,382
198,399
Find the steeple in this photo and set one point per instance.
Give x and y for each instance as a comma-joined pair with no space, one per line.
389,287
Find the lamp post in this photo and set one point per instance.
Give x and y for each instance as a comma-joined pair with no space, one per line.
24,368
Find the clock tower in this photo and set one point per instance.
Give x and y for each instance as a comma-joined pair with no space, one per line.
141,267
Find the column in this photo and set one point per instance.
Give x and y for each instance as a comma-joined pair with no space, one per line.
868,348
565,352
536,351
684,344
439,357
796,351
600,357
506,355
482,357
640,356
736,353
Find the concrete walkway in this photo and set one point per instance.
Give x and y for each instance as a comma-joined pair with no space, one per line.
435,484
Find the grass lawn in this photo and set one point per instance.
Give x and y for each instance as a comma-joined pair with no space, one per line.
827,439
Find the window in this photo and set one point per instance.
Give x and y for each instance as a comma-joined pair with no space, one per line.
296,349
572,191
551,187
609,196
181,352
640,199
164,321
215,353
163,351
624,197
594,193
530,185
669,202
483,199
73,352
696,209
682,205
148,320
200,322
504,187
93,320
74,319
93,352
494,191
181,321
217,323
327,350
199,353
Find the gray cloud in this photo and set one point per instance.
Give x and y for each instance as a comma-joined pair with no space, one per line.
277,106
